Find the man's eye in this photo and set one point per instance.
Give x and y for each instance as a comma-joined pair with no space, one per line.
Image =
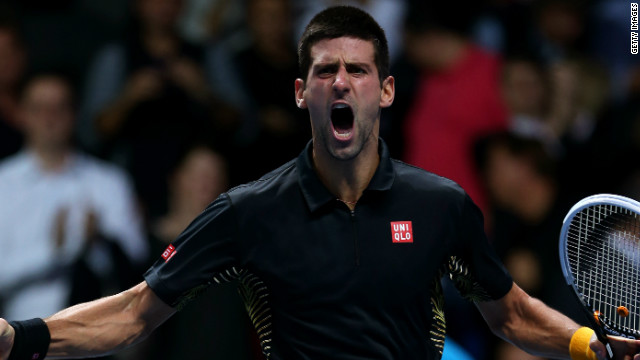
325,71
357,70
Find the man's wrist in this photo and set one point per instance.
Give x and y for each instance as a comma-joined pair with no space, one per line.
579,346
30,340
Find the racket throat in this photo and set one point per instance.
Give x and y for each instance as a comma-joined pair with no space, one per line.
609,351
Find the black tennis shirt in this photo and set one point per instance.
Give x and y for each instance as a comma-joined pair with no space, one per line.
323,282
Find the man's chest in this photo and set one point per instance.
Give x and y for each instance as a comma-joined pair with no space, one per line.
362,255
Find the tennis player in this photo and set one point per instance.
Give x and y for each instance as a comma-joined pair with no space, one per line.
338,253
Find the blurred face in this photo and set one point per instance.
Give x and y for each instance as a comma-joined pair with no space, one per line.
428,49
201,178
269,20
161,14
504,176
47,113
562,24
344,96
523,89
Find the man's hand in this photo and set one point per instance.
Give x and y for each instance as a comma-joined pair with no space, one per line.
6,339
623,349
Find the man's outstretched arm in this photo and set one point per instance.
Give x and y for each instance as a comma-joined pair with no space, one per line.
99,327
534,327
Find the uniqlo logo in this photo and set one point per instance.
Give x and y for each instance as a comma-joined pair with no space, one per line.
168,253
401,232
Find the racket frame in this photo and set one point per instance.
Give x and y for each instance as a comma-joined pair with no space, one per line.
601,328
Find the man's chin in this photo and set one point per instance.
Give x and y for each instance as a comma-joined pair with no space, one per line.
345,153
342,150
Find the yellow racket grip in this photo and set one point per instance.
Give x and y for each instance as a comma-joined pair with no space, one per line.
579,346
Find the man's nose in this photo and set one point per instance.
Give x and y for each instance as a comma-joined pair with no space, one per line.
341,82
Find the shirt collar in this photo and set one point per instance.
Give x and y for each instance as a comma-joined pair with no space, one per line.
317,195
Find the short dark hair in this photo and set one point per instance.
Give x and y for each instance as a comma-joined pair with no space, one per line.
530,149
339,21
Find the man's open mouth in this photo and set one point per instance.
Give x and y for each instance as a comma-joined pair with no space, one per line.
342,121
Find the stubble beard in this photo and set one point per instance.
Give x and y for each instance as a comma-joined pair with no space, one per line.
344,153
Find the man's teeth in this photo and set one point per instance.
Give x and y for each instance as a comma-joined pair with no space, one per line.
340,106
342,135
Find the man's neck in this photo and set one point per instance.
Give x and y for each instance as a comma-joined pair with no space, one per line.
347,179
52,159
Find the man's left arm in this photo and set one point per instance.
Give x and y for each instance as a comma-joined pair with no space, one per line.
536,328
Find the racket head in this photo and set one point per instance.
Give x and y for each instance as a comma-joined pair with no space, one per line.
600,258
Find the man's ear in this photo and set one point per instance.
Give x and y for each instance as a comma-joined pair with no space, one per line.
300,94
388,92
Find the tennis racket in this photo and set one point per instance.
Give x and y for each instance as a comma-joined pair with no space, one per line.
600,256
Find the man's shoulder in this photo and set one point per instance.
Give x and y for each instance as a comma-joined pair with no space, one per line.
414,178
15,168
12,163
267,186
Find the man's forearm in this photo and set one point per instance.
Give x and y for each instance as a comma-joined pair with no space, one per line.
106,325
529,324
544,331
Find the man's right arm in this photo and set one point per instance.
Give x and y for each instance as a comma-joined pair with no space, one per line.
100,327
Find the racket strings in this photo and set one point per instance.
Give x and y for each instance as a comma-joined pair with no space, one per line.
603,251
622,262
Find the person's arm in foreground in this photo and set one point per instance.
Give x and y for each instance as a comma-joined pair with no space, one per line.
99,327
534,327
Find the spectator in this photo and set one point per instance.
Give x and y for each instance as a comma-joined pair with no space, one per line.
206,20
60,206
579,90
199,176
559,30
528,205
559,104
278,126
12,66
580,119
527,209
146,97
457,96
525,92
613,145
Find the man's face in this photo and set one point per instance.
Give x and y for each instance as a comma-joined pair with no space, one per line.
47,113
344,96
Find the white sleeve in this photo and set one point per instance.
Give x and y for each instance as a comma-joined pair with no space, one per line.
118,214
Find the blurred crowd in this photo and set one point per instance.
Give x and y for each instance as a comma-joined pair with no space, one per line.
121,120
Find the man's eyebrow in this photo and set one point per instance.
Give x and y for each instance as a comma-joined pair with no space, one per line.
321,64
349,64
364,65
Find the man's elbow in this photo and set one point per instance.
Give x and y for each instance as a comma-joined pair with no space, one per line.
145,309
506,315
